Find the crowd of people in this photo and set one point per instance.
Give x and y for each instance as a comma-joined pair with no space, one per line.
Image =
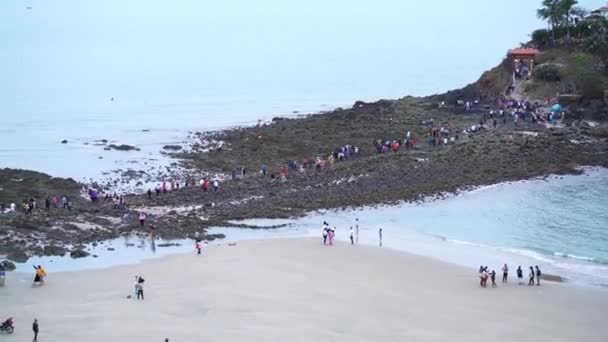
28,206
329,234
485,274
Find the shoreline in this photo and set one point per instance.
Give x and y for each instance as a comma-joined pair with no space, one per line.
238,231
181,251
267,286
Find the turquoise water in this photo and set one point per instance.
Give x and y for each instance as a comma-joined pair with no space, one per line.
559,223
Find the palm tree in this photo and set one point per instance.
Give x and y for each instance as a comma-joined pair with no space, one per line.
565,9
551,12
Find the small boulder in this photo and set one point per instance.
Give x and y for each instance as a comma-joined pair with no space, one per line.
17,256
64,141
79,253
8,265
53,250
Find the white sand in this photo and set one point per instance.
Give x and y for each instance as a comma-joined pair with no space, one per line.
299,290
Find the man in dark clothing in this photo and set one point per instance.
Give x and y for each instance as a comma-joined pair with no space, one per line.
35,329
520,275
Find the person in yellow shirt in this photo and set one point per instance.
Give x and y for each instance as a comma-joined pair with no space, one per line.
40,274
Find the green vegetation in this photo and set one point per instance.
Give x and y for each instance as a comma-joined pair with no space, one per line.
548,73
575,52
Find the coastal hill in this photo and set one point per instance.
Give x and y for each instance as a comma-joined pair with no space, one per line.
372,153
571,69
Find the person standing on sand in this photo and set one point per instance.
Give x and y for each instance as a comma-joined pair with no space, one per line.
325,233
140,288
520,275
35,329
493,277
332,233
357,230
142,218
380,236
505,273
538,274
531,276
352,236
197,245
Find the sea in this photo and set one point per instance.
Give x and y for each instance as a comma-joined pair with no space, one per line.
150,73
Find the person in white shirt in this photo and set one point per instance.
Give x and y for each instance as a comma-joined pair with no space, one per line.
505,273
352,236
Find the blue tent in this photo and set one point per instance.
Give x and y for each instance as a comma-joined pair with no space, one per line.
557,108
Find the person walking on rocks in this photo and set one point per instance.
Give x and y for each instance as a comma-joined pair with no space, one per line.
35,329
216,185
142,218
380,237
352,236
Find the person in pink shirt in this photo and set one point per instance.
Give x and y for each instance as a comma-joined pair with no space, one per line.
142,218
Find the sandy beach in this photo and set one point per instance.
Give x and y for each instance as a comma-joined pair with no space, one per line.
298,290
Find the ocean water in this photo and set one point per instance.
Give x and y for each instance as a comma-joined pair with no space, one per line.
559,223
90,70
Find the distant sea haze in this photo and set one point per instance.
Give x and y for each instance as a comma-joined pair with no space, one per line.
173,67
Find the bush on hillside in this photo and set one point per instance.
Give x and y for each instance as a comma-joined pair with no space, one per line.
548,73
541,38
588,81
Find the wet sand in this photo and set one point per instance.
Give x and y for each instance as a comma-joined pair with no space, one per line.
298,290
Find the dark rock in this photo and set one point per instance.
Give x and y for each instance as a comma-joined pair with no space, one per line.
8,265
111,249
64,141
123,147
79,253
17,256
168,244
172,147
53,250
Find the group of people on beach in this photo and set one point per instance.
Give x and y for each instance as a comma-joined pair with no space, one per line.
329,234
485,275
138,287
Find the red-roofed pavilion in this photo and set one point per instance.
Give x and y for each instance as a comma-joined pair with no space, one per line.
523,54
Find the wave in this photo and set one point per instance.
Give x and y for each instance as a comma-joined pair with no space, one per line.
582,258
536,253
